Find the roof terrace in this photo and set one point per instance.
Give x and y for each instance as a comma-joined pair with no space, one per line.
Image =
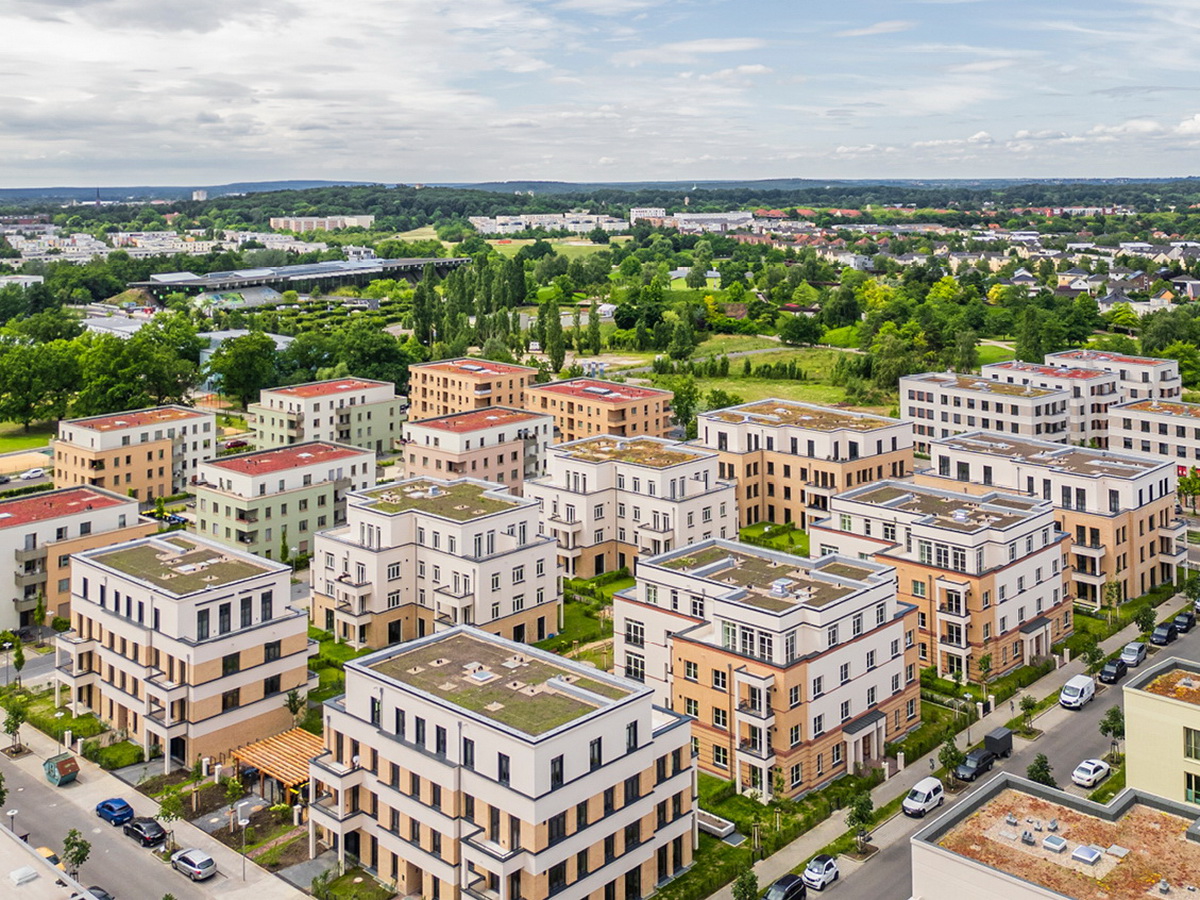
1161,408
946,509
180,564
788,412
460,500
657,453
1059,457
982,385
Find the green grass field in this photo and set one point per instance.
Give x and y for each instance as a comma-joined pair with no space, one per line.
989,353
680,284
14,437
733,343
568,247
846,336
761,388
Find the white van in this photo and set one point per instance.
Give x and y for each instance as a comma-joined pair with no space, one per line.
1077,692
926,795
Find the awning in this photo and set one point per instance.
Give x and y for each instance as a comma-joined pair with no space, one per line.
1033,626
283,757
869,720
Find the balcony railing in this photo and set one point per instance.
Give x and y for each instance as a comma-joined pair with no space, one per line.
950,611
951,640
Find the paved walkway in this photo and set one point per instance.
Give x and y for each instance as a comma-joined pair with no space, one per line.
834,827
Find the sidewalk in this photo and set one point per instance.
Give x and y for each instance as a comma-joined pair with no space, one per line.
902,782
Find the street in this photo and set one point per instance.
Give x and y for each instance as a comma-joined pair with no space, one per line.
1068,738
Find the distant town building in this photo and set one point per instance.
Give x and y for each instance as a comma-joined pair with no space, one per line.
360,412
320,223
498,444
21,281
585,407
579,223
450,386
646,212
199,195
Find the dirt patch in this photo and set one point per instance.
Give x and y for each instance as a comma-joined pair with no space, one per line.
261,821
208,799
156,784
286,853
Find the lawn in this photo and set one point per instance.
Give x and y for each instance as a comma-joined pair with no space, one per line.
356,884
581,623
45,718
119,755
568,247
718,344
989,353
846,336
763,388
790,541
13,436
680,284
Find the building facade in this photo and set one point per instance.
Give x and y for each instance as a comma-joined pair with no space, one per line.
425,554
1168,430
607,501
496,444
354,411
985,573
144,453
450,386
1118,509
585,407
789,458
1092,392
796,670
1162,730
455,768
266,500
1141,377
942,404
184,643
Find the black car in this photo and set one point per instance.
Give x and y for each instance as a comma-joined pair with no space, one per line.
1185,621
4,479
146,830
94,893
789,887
1164,634
1114,670
978,762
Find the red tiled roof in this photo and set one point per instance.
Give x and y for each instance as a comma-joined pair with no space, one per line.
1052,371
601,391
132,419
325,388
266,462
476,419
51,505
474,368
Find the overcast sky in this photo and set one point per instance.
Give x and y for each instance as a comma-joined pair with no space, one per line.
113,92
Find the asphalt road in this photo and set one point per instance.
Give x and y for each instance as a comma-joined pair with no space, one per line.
1068,738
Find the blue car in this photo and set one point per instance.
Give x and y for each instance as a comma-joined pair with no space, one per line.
115,811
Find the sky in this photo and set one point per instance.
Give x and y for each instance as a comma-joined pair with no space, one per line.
135,92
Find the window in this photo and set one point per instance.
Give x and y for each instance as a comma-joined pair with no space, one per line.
691,670
635,666
844,673
837,754
224,618
631,737
595,754
796,776
794,735
818,727
1191,791
691,706
720,680
272,651
247,612
635,633
1191,743
720,717
230,664
231,699
794,696
720,757
503,768
845,710
556,772
831,636
818,686
468,753
271,685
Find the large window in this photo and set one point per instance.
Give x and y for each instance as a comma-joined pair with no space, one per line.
1191,790
1191,743
635,667
635,633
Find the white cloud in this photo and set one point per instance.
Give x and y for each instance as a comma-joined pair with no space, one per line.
893,26
686,51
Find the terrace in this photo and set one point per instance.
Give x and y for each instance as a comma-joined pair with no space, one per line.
458,500
958,512
658,454
181,565
787,412
1058,457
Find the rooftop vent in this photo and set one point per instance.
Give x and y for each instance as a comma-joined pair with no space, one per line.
780,587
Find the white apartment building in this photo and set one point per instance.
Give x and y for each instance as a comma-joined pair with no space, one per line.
495,444
355,411
802,666
1117,507
463,765
1163,429
1091,392
985,573
943,403
608,500
1142,377
646,212
266,499
320,223
425,554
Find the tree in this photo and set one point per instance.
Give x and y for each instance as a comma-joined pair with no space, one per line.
683,338
555,346
294,701
800,329
75,852
368,351
951,757
18,658
1113,591
860,816
171,809
1145,619
1029,336
1093,656
593,329
686,401
233,793
245,365
966,350
1112,726
16,715
984,667
697,276
1028,704
720,399
3,790
39,615
745,886
1041,772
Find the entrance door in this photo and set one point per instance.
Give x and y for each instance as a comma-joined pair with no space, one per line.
353,843
420,628
541,629
519,633
663,869
394,632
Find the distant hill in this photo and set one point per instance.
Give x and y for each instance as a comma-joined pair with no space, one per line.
160,192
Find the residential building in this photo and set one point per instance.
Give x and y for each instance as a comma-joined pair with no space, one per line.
1142,377
183,643
425,554
320,223
1162,730
496,444
355,411
796,670
1091,392
988,846
646,212
1168,430
1117,508
789,458
463,765
609,500
940,404
143,453
985,573
450,386
38,534
585,407
266,500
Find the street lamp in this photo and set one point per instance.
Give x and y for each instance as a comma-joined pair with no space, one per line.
243,820
12,820
7,647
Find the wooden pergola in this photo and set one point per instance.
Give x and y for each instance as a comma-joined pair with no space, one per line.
283,757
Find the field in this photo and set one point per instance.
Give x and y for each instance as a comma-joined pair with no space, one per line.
762,388
990,353
14,437
846,336
680,284
568,247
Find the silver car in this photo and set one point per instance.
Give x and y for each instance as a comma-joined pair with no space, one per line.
195,864
1133,654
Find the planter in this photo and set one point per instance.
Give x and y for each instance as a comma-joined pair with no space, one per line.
868,851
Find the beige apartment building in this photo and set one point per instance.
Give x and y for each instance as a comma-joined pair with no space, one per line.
463,765
1167,430
38,534
585,407
789,458
266,500
497,444
940,404
354,411
143,453
450,386
1141,377
1092,392
1162,728
1117,508
424,554
985,573
796,670
186,644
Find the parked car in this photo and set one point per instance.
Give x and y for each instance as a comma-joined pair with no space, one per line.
145,830
4,479
978,762
926,795
1164,634
1114,670
94,893
1133,654
1185,621
1077,692
1090,772
198,865
32,474
235,444
789,887
114,811
51,857
820,872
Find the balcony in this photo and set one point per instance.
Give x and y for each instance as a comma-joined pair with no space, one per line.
1175,531
23,579
569,525
1097,578
247,537
74,677
483,392
1092,551
759,751
177,727
340,775
249,516
956,641
326,813
954,612
761,715
29,554
159,686
663,526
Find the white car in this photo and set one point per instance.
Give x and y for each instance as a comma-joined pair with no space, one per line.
1090,772
820,872
32,474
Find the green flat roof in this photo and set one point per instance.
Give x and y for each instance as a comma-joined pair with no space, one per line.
459,500
180,565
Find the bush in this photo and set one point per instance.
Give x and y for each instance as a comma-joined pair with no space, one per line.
60,624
